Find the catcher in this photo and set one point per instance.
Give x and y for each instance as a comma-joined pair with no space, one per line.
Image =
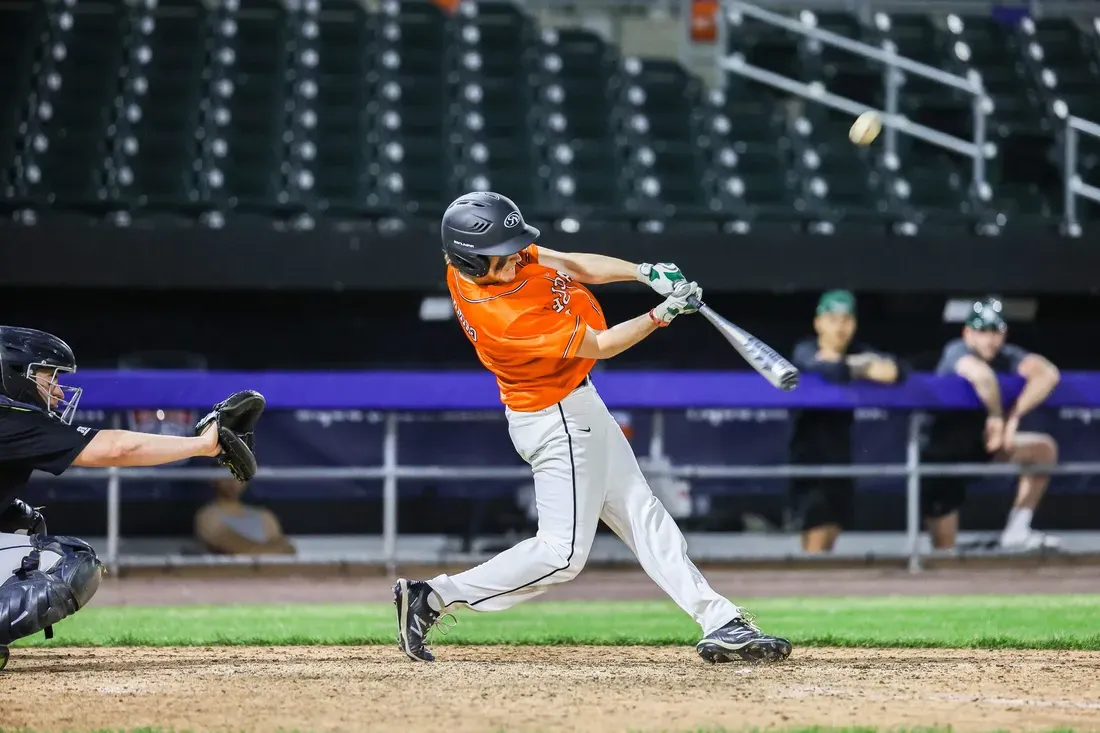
46,578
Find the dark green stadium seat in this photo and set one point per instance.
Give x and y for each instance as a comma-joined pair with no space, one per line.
669,99
420,52
163,167
768,47
347,82
72,167
1067,68
21,24
257,120
506,32
845,73
767,172
1074,57
583,70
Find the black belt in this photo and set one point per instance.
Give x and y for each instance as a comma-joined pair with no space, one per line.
586,382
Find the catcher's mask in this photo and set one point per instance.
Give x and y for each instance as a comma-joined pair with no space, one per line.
32,364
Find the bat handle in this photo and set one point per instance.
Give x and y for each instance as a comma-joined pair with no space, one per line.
695,303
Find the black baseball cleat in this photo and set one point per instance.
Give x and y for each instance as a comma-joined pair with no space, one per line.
415,617
740,640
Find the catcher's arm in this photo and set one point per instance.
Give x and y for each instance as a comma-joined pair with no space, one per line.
128,448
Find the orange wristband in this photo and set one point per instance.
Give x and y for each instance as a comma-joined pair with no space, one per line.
655,319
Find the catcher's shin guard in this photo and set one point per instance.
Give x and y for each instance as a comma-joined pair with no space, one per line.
33,600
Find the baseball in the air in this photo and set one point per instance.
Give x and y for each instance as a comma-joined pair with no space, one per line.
865,129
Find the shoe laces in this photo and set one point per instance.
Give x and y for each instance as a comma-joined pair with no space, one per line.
748,620
440,621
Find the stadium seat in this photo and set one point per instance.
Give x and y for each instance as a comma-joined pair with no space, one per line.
660,137
1064,60
413,52
494,93
65,135
247,95
151,148
573,68
845,73
336,109
348,91
21,25
934,183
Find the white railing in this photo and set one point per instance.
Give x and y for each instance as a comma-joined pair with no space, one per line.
1073,185
976,149
390,473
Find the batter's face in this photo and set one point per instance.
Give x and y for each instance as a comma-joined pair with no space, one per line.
502,269
835,329
987,344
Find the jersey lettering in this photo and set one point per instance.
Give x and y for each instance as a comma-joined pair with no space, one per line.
559,288
470,330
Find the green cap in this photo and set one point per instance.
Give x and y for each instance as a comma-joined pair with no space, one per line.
837,301
986,316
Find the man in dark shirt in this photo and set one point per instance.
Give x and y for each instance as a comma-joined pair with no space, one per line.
822,507
965,436
36,434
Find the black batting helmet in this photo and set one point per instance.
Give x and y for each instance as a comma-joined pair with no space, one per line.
480,225
31,362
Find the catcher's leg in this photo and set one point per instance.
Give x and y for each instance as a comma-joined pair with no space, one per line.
53,577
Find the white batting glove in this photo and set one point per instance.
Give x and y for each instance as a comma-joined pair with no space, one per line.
676,305
662,277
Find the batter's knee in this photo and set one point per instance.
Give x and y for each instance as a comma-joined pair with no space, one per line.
571,559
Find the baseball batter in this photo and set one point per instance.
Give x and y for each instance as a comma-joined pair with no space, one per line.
540,331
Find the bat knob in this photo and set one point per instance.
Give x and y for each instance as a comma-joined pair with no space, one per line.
788,380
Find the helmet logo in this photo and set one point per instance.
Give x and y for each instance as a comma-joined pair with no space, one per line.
462,244
512,220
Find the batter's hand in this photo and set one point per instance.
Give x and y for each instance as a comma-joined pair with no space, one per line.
676,305
662,277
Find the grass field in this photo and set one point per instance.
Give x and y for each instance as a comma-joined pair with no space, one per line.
967,622
935,663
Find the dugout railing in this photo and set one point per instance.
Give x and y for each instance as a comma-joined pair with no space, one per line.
1074,186
394,392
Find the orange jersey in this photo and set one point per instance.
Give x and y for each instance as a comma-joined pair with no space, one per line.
527,332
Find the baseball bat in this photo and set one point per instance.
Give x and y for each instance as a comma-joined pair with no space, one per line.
779,371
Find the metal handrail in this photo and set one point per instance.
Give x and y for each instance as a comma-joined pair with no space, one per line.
737,64
858,47
977,149
460,473
1074,186
1038,8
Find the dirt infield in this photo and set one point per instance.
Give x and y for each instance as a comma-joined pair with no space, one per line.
543,689
553,689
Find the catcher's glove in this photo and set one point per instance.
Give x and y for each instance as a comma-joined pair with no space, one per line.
236,417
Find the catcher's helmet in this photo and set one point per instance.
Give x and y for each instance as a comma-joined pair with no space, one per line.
25,353
482,224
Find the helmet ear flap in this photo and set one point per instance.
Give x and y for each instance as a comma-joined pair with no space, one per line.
470,265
